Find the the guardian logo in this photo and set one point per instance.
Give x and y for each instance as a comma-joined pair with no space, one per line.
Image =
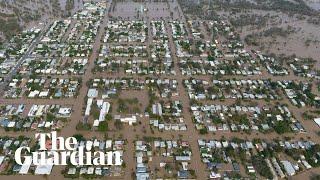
63,150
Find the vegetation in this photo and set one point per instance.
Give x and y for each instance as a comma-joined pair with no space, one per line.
118,124
9,27
276,31
291,7
249,19
261,166
282,127
252,39
83,126
128,106
79,137
103,126
204,130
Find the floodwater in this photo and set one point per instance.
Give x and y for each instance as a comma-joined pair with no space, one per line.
40,10
294,43
314,4
143,10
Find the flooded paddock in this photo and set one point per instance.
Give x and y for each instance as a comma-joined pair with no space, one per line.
129,10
